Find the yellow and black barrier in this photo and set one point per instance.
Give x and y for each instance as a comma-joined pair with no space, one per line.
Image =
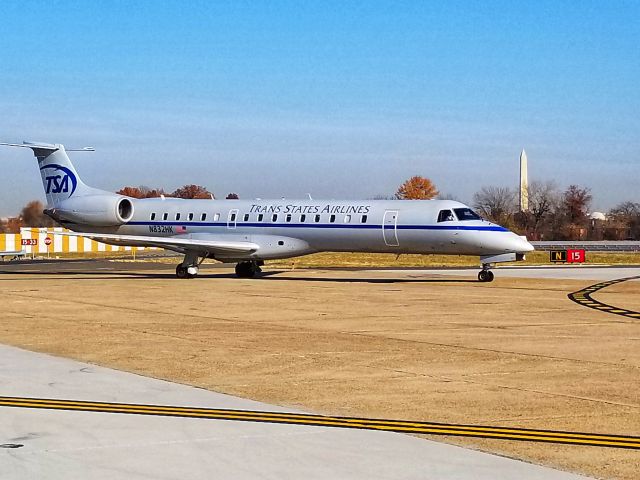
399,426
583,297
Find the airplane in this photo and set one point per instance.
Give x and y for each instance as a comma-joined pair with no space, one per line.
249,232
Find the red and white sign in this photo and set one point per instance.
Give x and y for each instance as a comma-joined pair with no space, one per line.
29,241
575,256
47,241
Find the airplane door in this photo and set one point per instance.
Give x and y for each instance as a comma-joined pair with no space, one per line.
232,218
389,228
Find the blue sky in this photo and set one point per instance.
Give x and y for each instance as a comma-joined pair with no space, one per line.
336,99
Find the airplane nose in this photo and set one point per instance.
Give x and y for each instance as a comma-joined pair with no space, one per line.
521,245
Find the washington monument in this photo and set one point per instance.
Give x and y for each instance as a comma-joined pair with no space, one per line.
524,183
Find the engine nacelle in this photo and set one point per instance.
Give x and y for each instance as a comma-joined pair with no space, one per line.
98,210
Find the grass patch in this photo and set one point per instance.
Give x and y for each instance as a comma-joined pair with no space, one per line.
319,260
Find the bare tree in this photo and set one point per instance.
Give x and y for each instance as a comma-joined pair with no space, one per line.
544,201
497,204
626,216
576,201
383,197
448,196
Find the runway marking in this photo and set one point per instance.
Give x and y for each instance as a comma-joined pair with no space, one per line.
400,426
583,297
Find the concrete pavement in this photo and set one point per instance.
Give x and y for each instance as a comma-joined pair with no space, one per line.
66,444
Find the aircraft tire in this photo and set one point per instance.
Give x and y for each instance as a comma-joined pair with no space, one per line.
181,272
246,269
485,276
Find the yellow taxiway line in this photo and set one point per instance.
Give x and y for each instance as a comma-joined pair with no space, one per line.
583,297
401,426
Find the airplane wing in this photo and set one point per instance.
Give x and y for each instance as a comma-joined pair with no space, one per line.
178,244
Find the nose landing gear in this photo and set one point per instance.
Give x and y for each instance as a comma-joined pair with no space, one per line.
189,266
485,274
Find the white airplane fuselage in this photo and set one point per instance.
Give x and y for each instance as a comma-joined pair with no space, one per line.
289,228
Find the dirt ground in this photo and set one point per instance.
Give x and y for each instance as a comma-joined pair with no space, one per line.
515,352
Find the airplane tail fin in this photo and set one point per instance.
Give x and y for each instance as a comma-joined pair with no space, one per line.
59,177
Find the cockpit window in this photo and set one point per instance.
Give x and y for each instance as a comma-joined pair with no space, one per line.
466,214
446,216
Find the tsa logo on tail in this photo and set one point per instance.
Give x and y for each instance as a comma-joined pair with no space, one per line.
58,179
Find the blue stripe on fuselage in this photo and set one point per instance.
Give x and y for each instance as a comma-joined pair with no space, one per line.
482,228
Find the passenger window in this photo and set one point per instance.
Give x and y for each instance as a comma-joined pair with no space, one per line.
153,216
363,219
332,218
288,217
216,217
446,216
233,217
260,217
347,218
190,217
246,217
317,219
302,218
274,217
203,217
177,216
165,216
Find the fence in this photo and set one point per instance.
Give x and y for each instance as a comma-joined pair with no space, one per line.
44,241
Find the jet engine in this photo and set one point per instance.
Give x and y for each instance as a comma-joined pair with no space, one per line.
99,210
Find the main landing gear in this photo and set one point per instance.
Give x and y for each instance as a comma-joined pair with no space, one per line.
189,266
248,269
485,274
186,272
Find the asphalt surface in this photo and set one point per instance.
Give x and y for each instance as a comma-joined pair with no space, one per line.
569,272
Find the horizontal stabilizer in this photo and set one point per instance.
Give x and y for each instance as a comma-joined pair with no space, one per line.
46,146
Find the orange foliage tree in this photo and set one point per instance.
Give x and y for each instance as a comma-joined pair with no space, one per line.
32,215
417,188
141,192
186,191
192,191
